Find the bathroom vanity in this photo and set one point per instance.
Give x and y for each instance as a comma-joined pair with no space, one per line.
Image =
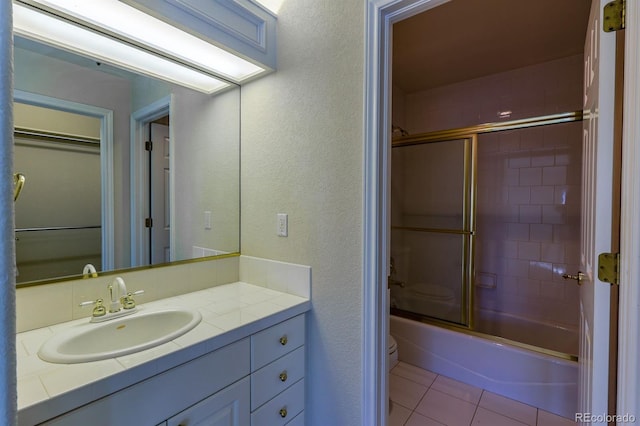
244,364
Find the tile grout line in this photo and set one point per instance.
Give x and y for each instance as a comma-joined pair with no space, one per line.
477,406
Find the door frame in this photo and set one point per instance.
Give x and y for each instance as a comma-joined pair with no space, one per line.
629,293
140,119
379,18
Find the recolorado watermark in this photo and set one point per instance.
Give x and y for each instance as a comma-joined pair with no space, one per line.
604,418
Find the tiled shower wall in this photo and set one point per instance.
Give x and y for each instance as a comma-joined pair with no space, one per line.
528,222
528,183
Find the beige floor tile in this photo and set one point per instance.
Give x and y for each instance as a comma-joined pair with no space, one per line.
508,407
549,419
405,392
423,398
420,420
398,415
446,409
457,389
415,374
489,418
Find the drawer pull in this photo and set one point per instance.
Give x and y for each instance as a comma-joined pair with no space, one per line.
283,340
283,376
283,412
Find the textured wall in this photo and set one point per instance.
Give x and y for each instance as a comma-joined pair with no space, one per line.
302,154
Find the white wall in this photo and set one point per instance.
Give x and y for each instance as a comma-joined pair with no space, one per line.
302,154
207,161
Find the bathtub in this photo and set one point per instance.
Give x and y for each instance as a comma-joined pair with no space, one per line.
544,381
557,338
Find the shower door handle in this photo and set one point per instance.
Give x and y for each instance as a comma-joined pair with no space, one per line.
578,277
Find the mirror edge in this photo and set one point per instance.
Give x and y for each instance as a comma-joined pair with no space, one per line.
125,270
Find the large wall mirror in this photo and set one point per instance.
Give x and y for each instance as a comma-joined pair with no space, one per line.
96,191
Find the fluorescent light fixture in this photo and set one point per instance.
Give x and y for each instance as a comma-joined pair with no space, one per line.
135,25
46,28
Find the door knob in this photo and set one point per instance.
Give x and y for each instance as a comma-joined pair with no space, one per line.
578,277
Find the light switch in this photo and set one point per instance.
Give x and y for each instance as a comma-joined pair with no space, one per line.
207,219
283,224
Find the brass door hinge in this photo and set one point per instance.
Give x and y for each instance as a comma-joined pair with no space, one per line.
148,222
608,267
614,16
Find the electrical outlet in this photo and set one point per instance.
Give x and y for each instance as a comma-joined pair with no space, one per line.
283,225
207,219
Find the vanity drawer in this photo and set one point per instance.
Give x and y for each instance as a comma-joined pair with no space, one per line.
276,341
281,409
274,378
230,406
298,421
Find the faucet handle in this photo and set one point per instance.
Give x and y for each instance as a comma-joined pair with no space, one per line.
99,309
127,301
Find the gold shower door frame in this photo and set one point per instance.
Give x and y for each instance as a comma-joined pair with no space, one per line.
468,217
470,136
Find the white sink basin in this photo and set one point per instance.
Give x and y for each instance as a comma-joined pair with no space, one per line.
118,337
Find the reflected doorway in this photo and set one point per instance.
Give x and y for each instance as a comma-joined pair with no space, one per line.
151,185
158,195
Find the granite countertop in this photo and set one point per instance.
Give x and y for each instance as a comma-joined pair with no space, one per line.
229,312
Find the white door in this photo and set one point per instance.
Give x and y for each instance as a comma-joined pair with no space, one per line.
160,200
599,79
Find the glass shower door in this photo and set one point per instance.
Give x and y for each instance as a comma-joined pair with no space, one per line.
432,229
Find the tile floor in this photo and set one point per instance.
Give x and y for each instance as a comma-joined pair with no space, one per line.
422,398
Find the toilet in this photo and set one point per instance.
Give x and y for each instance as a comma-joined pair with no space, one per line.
393,352
393,346
393,360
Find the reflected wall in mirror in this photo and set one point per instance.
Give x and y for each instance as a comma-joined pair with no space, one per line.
108,185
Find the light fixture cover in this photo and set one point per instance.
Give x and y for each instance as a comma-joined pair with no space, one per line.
60,33
133,24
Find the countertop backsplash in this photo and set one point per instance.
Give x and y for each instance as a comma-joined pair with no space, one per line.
45,305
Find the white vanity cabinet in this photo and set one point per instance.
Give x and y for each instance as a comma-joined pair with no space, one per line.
255,381
277,374
229,407
162,396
